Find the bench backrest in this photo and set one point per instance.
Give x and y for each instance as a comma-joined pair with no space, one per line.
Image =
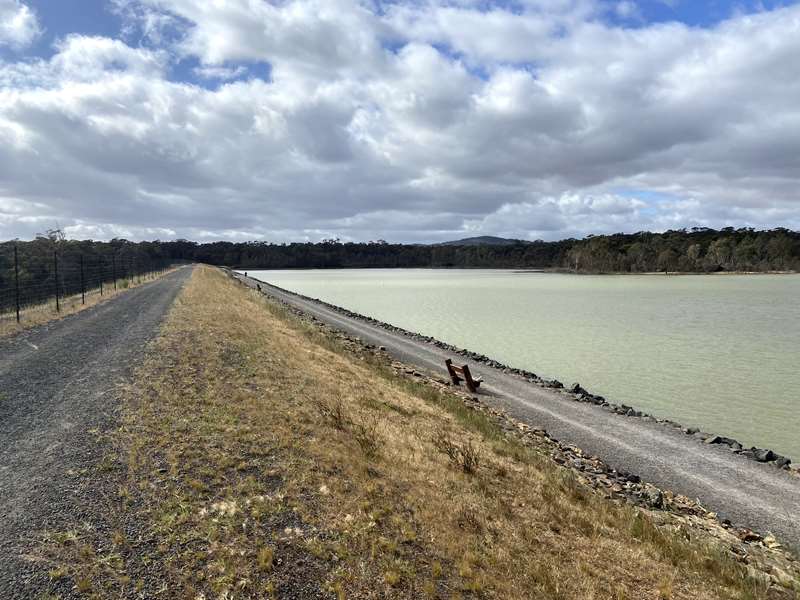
458,373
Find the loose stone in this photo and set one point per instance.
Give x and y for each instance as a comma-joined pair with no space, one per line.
782,462
763,455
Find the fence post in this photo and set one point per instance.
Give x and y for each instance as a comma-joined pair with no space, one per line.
16,278
83,286
55,263
114,270
102,274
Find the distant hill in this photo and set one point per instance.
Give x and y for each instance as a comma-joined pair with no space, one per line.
482,240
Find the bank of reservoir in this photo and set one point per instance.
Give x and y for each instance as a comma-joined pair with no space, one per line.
718,352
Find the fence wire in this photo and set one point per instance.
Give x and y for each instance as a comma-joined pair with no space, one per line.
58,279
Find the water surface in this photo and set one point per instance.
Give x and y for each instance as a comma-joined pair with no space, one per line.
721,352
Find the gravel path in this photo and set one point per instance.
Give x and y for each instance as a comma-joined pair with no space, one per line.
57,393
750,494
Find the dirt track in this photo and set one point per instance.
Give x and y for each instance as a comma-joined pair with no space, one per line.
58,386
750,494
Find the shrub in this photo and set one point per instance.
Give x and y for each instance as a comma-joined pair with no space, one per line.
333,411
463,455
365,432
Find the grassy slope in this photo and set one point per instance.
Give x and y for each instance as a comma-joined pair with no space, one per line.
261,460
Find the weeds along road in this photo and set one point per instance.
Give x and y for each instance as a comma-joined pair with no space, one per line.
750,494
57,393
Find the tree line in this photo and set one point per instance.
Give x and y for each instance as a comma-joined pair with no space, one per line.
33,271
695,250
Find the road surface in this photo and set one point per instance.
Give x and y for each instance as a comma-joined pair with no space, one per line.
58,391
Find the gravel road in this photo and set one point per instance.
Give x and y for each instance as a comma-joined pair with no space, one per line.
748,493
58,386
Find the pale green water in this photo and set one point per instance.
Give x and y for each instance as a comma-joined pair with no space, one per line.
718,352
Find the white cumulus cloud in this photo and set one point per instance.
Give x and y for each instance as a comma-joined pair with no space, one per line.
412,122
19,25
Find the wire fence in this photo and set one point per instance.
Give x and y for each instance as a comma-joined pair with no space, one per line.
59,280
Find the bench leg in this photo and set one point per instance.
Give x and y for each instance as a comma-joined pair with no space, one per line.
455,379
472,386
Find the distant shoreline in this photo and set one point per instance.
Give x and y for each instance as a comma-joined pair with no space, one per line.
519,270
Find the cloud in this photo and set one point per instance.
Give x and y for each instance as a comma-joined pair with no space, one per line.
627,10
19,26
224,73
415,122
568,215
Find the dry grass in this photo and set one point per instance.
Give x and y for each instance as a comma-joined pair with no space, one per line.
38,314
260,461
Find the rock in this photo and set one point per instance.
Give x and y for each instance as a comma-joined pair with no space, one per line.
718,439
781,461
736,447
763,455
655,498
630,477
749,536
382,348
770,542
691,430
576,388
702,435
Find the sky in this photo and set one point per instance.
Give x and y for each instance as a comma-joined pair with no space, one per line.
404,120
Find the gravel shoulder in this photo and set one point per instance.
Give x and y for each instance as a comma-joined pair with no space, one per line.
58,385
747,493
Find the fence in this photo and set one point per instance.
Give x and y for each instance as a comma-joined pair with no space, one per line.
59,279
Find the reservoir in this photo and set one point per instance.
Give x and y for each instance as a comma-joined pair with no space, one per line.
719,352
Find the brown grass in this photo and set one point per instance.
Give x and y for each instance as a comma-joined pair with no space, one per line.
261,460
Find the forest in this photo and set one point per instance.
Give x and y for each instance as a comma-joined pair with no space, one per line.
698,250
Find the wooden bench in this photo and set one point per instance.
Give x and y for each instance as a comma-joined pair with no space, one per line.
458,374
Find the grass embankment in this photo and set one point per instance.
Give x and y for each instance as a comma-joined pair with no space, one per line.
259,459
38,314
